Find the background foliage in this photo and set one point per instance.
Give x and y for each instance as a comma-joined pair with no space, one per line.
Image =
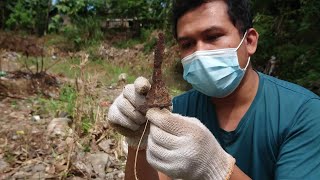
289,29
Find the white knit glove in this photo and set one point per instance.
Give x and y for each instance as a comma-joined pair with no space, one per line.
124,116
182,147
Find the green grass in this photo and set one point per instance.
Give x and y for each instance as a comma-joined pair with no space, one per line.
54,40
126,43
68,67
14,104
86,125
65,67
9,157
65,103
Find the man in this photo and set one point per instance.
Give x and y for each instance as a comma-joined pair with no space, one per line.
236,123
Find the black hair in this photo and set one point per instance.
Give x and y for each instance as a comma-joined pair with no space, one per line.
238,11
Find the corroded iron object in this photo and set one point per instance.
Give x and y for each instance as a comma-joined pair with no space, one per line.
158,96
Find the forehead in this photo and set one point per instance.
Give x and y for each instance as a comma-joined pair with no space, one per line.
209,14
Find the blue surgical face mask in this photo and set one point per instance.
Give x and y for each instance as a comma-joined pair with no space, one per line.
215,73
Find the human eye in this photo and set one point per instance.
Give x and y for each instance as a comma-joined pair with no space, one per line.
211,37
185,45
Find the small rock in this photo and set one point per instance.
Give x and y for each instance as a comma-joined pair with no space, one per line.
121,175
50,169
105,145
35,130
69,141
21,175
59,127
99,162
122,78
59,168
36,118
64,145
114,174
14,137
82,164
83,167
16,115
110,176
38,168
27,168
109,170
3,165
77,178
39,175
63,114
53,95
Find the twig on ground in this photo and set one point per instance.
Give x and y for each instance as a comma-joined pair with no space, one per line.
12,97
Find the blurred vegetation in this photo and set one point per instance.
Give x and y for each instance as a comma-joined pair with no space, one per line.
289,29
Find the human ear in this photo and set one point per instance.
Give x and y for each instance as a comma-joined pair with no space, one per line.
252,41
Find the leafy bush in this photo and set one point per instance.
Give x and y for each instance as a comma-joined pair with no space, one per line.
21,17
83,32
31,16
55,23
72,33
145,38
289,31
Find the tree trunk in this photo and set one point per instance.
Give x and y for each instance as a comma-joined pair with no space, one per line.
2,7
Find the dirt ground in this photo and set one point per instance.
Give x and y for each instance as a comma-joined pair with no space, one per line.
28,151
37,145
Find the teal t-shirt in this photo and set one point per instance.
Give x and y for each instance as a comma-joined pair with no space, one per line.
278,137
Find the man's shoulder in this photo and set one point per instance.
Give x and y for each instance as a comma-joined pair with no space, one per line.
285,88
288,101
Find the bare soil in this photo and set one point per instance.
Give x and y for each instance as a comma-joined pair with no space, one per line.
29,151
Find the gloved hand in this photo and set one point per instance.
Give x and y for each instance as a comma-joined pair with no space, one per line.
124,116
182,147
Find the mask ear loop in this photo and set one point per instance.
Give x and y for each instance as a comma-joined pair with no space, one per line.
244,36
245,68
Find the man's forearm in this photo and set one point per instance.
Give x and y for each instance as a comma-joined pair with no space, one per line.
144,170
237,174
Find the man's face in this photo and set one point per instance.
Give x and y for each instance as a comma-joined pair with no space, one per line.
209,27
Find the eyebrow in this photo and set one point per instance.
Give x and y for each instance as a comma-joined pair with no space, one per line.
210,29
182,39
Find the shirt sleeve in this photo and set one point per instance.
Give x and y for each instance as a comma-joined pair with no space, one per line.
299,154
